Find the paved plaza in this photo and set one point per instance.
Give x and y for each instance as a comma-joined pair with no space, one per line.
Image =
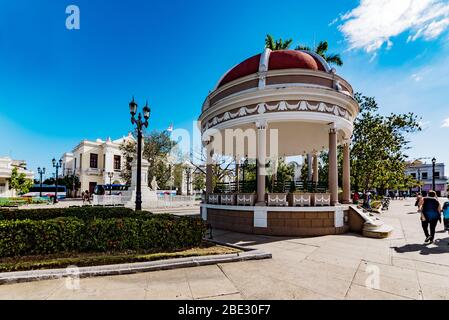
328,267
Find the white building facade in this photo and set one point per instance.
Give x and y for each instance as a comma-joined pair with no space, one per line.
6,167
93,161
423,172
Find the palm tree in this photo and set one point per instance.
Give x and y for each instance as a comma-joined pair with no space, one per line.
270,43
321,49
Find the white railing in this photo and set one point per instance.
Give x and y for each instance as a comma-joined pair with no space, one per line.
164,201
107,200
170,201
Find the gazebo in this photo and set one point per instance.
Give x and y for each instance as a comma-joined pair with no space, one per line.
279,104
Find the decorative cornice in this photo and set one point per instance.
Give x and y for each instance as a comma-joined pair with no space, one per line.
282,106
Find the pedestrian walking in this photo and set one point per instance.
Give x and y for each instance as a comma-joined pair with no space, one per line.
430,215
367,201
446,215
419,200
355,198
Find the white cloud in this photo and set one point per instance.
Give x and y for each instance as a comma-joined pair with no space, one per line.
445,123
374,22
416,77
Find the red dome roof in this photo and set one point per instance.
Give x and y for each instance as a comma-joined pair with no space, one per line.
247,67
291,59
280,59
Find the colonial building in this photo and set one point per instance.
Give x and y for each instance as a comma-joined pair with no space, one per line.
422,172
93,161
6,167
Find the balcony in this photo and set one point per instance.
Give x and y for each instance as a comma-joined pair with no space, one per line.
94,171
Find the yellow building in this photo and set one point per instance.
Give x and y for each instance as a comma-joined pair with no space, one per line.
91,161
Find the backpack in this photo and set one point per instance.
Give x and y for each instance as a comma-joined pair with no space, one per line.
446,210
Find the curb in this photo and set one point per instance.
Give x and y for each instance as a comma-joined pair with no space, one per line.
130,268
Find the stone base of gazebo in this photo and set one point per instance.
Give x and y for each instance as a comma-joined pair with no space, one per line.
278,221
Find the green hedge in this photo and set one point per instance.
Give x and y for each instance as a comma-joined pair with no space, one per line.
77,212
72,234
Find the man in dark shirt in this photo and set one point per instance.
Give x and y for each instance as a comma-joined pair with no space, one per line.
430,215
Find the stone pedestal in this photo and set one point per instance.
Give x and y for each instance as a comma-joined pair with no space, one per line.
149,197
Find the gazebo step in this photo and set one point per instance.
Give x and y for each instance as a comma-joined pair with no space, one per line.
380,232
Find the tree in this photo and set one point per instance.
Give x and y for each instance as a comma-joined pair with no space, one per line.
199,181
279,44
321,49
156,149
72,183
378,158
284,174
19,182
128,149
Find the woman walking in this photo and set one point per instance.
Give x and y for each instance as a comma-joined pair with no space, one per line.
419,200
430,215
446,215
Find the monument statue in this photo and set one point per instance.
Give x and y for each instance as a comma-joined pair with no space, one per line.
154,185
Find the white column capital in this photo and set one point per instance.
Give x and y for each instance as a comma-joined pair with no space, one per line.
261,124
332,127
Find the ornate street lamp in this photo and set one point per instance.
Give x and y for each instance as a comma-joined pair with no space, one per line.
434,161
57,165
41,172
189,175
140,125
110,175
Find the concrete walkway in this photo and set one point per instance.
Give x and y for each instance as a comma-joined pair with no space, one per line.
329,267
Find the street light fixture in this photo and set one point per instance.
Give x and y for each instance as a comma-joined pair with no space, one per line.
110,175
41,172
189,175
140,125
57,165
434,161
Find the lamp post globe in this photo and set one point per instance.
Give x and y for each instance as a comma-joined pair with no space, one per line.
140,125
110,175
56,165
434,161
41,172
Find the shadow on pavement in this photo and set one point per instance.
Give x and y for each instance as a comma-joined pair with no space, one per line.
248,240
438,247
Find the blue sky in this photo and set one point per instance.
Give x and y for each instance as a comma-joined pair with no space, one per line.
59,86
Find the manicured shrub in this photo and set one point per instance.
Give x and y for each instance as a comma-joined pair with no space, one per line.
72,234
77,212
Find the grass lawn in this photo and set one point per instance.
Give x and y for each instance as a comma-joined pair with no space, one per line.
95,259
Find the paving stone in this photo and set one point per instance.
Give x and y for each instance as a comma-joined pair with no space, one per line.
208,281
357,292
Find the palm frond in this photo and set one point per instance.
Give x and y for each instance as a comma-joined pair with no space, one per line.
322,48
269,42
287,44
334,59
304,48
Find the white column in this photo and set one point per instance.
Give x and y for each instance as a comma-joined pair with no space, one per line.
333,165
209,169
346,173
108,164
261,161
